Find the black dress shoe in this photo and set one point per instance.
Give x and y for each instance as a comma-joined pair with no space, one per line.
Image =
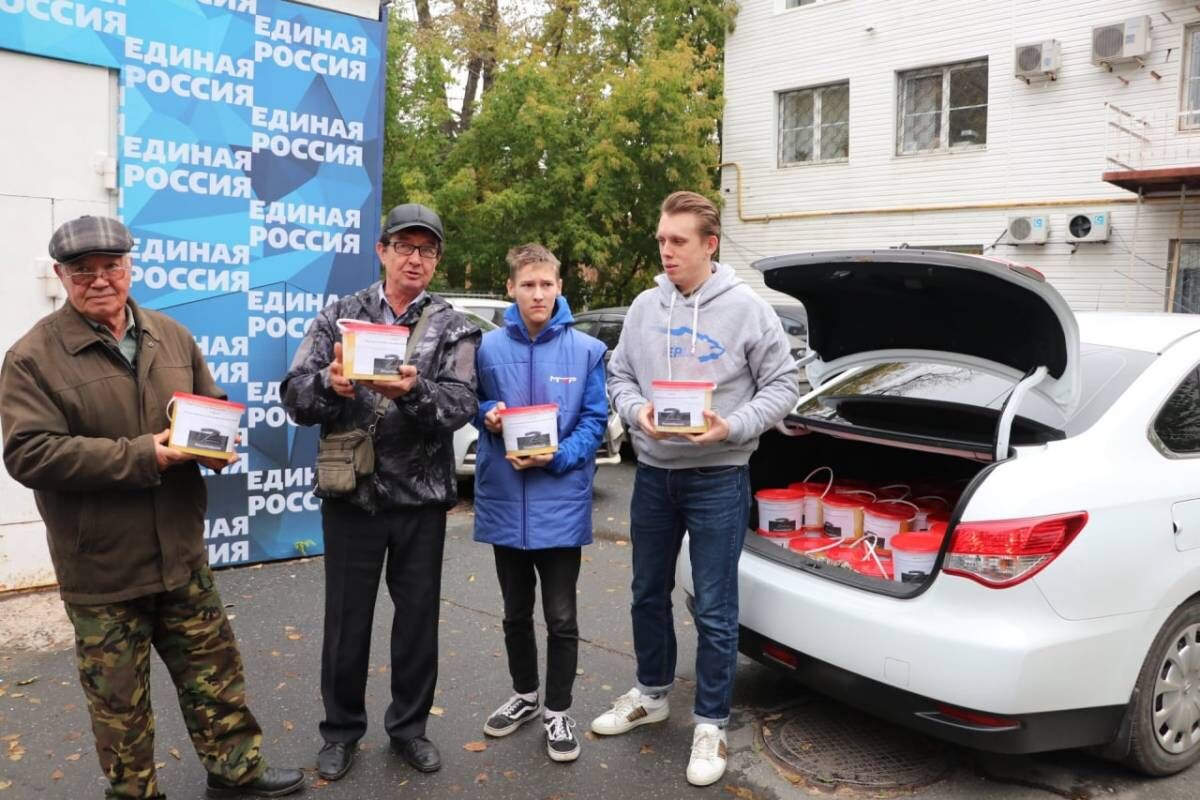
272,783
335,759
419,752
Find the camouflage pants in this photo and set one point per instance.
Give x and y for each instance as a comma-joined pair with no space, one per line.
193,637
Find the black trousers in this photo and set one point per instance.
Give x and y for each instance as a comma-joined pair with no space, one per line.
558,568
406,545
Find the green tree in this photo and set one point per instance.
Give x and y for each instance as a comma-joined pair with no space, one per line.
573,125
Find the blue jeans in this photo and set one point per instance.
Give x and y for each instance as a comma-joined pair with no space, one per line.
712,504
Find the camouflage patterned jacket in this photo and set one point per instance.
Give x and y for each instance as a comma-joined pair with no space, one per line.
414,449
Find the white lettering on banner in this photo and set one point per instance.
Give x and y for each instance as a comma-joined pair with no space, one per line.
273,417
214,346
162,151
304,214
276,480
263,391
186,181
230,372
211,253
309,61
174,56
279,503
239,6
196,279
291,32
301,239
229,552
308,149
70,14
279,302
183,85
226,527
277,119
279,327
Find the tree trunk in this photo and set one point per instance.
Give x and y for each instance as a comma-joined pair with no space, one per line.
425,24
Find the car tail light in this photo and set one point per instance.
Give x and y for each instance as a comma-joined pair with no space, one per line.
781,654
977,719
1003,553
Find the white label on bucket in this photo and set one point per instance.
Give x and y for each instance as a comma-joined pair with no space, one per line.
535,432
378,353
204,426
679,408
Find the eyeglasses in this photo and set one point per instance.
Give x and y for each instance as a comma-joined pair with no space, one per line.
86,277
406,249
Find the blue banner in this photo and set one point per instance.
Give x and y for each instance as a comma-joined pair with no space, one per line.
249,163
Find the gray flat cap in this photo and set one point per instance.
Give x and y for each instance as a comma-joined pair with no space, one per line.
414,215
86,235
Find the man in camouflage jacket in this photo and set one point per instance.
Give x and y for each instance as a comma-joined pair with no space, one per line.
395,517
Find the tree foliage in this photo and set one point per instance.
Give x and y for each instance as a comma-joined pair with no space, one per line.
572,125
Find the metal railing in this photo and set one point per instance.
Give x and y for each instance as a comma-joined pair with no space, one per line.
1158,140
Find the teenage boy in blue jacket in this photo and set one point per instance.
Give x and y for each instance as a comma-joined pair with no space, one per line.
536,511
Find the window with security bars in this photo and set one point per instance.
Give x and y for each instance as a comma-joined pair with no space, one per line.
943,108
1190,118
814,124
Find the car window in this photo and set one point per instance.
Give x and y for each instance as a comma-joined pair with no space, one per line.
609,333
587,326
484,324
1105,373
1178,424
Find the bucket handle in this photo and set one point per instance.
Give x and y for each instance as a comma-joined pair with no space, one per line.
828,546
941,500
860,491
870,545
916,509
907,489
829,485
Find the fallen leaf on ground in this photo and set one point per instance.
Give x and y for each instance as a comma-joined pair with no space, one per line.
481,777
470,579
591,737
511,774
57,775
437,711
275,653
321,783
4,785
73,736
74,756
766,731
280,686
647,750
28,681
772,717
175,753
295,636
288,725
740,792
621,542
606,687
475,747
12,737
159,764
603,765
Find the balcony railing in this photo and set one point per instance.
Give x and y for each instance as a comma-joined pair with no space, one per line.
1155,141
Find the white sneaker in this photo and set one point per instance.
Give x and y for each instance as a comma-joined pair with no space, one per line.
629,711
707,764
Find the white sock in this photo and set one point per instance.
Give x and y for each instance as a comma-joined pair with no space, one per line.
530,697
653,700
548,715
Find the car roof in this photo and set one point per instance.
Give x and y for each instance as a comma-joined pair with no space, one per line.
1149,331
614,310
470,300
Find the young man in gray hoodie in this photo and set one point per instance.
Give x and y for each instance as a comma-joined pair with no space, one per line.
700,323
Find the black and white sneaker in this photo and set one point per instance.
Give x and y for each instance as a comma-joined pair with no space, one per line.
561,742
508,717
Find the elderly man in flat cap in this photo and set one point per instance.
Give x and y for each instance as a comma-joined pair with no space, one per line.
83,408
393,520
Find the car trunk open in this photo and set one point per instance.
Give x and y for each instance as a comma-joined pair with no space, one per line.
874,318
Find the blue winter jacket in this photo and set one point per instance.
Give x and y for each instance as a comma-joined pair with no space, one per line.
551,506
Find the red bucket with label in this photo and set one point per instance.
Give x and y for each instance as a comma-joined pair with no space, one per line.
842,513
780,514
915,553
885,519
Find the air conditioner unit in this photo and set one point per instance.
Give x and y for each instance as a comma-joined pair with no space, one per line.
1121,42
1028,229
1038,62
1089,227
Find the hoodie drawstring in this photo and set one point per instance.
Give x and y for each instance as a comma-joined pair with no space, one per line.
670,308
696,316
695,324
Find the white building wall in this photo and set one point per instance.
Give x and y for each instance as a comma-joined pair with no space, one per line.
1046,142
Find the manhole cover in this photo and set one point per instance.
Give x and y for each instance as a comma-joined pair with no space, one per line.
833,743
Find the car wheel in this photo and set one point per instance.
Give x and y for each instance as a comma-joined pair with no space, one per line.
1165,725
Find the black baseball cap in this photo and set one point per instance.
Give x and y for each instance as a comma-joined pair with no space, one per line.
87,235
414,215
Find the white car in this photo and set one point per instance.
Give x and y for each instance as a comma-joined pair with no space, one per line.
1063,607
466,437
486,306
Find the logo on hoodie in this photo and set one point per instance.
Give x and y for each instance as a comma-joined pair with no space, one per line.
707,348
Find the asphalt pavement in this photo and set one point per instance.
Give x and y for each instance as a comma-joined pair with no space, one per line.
46,749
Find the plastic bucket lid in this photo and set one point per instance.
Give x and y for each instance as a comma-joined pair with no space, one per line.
806,544
871,569
776,495
844,552
917,541
897,512
846,500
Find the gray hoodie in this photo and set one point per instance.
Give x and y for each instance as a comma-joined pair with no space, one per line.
724,333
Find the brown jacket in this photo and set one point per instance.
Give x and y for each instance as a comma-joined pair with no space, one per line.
78,423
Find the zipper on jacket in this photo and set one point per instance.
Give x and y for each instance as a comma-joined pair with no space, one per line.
524,477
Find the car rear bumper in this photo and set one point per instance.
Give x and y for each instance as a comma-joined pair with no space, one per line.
998,652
